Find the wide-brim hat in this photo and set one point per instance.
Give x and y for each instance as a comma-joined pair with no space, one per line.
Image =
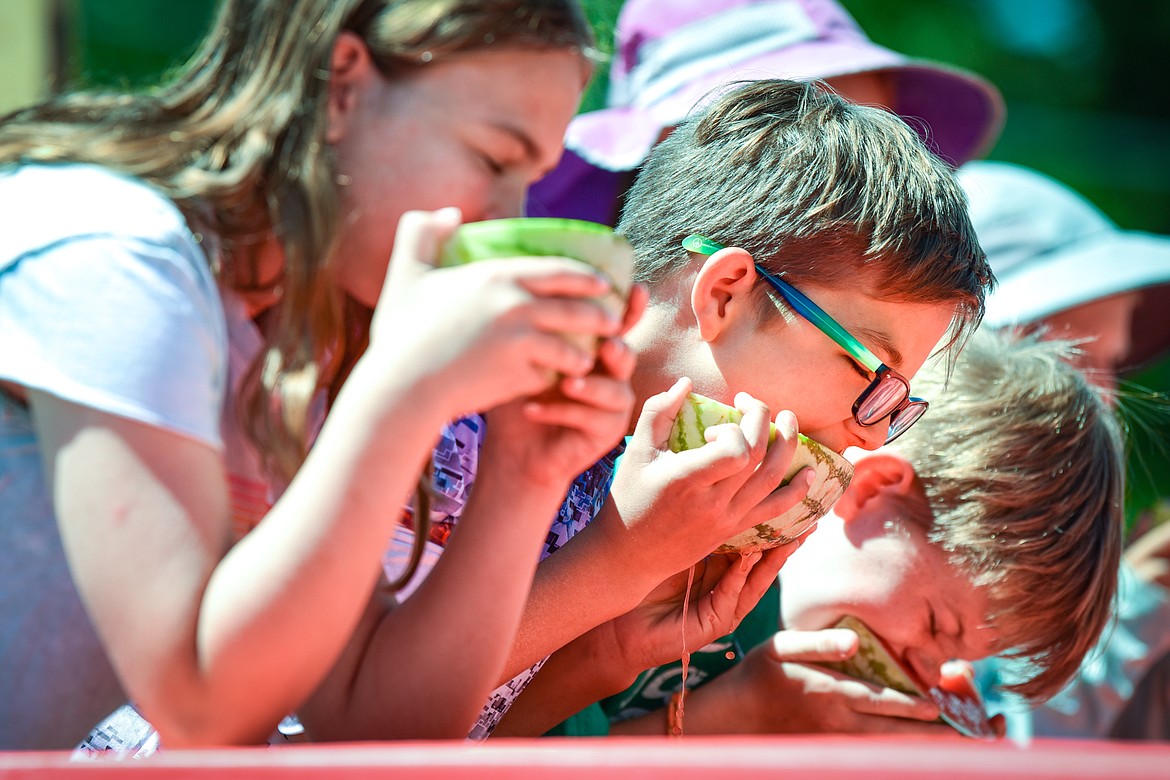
671,54
1052,250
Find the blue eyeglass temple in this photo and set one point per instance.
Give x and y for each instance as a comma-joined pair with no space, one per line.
804,307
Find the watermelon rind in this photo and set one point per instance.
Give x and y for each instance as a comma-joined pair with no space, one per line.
833,474
874,662
589,242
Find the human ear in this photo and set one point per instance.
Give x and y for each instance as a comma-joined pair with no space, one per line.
876,475
350,66
722,290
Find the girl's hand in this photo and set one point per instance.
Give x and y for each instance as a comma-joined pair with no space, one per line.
488,332
559,434
671,509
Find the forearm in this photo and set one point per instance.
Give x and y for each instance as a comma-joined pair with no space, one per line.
279,608
584,584
430,664
574,677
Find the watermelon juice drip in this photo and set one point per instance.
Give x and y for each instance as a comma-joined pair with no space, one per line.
680,708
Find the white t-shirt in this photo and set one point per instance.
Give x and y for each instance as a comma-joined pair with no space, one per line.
106,300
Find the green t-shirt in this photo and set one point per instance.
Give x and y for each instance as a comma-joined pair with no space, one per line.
654,687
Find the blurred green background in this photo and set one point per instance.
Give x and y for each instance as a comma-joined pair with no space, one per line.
1086,82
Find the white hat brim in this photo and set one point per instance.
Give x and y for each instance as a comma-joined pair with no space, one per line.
1116,262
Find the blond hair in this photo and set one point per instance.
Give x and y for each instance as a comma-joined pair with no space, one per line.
1022,463
817,189
236,139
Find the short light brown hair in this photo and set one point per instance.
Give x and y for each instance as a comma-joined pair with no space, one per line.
800,177
1022,463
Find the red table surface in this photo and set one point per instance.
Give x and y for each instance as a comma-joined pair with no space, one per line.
615,758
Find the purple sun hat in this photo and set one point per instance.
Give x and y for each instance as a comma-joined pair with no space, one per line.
670,54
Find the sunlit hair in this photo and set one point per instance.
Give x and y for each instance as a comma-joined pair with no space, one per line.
235,138
1022,464
815,187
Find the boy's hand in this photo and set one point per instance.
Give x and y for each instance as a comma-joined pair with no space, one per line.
672,509
778,690
725,589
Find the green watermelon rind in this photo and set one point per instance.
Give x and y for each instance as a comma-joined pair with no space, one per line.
590,242
833,474
875,663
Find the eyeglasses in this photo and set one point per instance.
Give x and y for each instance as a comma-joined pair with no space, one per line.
888,395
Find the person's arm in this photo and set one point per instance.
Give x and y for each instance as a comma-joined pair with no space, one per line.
423,670
216,645
780,689
666,512
606,660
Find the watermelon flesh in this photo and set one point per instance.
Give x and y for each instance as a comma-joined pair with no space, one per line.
956,696
833,473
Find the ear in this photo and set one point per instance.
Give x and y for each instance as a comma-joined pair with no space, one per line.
876,475
350,68
722,291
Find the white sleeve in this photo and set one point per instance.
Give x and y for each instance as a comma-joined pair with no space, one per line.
130,325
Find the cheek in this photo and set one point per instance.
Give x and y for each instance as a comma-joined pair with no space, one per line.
794,371
822,585
823,399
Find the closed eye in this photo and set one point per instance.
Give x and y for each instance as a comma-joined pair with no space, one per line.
859,369
493,165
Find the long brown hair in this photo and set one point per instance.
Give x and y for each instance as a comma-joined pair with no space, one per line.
236,139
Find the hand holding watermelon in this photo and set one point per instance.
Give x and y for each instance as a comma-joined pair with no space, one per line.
500,333
681,506
956,695
832,475
782,686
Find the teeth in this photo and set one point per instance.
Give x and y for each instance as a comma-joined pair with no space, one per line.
833,473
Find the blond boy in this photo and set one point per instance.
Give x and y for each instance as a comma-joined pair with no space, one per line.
991,527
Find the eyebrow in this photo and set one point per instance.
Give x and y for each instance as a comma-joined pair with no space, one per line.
531,151
876,340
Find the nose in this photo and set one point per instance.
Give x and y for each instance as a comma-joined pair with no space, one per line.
870,437
507,200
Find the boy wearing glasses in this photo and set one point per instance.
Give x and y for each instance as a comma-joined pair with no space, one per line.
993,526
771,183
846,204
783,183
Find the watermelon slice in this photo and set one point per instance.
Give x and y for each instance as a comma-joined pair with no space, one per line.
589,242
833,473
957,696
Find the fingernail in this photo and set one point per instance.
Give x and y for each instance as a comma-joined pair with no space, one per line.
786,422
